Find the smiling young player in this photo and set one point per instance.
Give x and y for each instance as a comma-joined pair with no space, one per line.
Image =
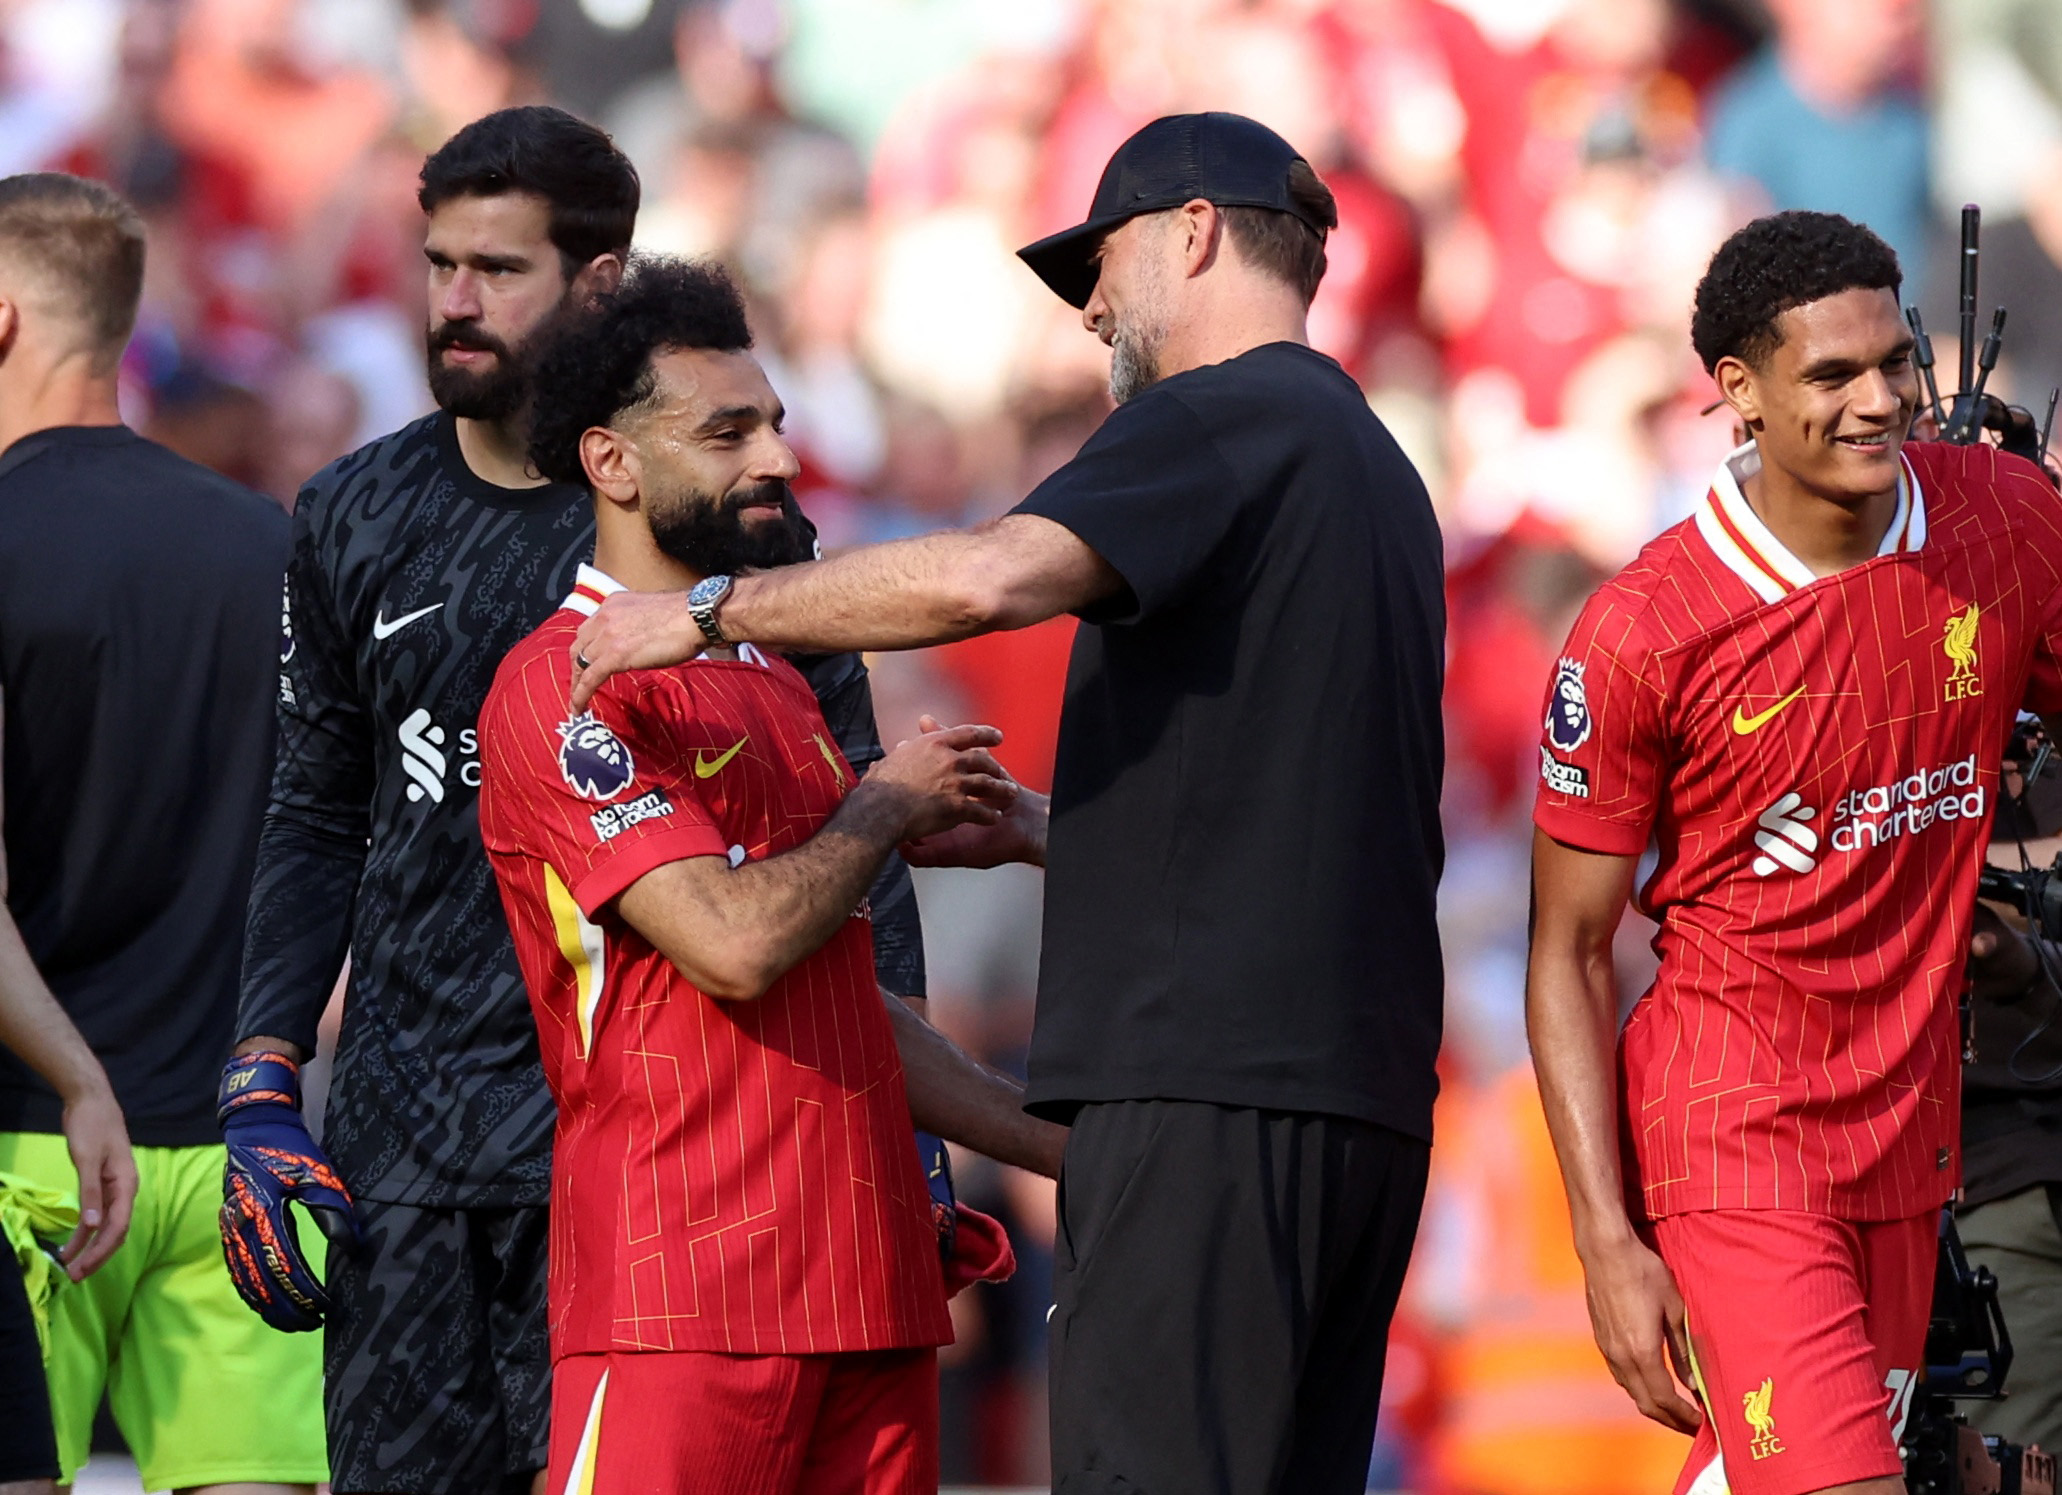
1799,698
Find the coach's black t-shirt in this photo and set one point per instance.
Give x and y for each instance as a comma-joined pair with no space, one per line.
1245,840
139,625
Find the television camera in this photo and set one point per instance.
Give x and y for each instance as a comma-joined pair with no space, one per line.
1968,1347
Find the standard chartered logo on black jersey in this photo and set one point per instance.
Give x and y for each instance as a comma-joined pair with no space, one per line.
426,762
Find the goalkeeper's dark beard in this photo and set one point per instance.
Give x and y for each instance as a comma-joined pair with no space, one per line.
493,394
710,537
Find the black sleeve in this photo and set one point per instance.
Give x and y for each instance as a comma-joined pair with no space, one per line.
846,696
1152,496
311,848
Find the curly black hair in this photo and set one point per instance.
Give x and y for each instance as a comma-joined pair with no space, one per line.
598,364
1776,263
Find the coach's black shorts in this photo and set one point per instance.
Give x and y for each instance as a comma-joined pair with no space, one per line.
1223,1283
28,1446
436,1370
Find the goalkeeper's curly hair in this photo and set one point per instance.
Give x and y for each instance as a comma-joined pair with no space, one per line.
599,363
1774,264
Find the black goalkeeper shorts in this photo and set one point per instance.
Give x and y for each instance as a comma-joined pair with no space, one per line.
1223,1283
28,1445
436,1367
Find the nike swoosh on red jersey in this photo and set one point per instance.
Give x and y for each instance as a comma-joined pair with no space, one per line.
1744,724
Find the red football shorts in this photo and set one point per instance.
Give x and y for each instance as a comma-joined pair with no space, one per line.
688,1422
1808,1333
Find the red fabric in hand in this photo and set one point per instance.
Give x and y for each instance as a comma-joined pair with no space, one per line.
981,1251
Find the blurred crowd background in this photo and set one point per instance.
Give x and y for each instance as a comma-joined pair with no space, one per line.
1528,191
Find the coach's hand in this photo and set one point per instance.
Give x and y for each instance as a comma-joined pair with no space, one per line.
632,631
1638,1318
273,1161
946,778
1017,836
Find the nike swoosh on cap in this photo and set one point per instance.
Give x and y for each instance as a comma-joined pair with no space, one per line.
1744,724
381,628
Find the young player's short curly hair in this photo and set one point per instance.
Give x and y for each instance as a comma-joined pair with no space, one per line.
1774,264
599,363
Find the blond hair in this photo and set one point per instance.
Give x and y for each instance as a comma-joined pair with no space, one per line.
83,246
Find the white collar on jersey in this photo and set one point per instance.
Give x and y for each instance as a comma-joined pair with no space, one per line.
589,588
1750,549
592,587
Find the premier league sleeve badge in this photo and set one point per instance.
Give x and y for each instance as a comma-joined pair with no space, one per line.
594,761
1568,719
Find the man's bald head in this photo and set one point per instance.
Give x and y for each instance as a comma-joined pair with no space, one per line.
71,257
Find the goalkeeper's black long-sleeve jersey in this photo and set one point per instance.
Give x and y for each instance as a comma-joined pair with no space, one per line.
410,577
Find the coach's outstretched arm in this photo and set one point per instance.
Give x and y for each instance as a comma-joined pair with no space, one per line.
1571,1015
1015,571
734,931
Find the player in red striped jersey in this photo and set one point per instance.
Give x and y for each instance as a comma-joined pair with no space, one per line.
1799,698
745,1281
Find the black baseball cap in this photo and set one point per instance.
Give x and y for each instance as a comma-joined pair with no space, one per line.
1227,159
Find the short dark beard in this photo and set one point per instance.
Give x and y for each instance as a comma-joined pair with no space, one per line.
707,536
493,394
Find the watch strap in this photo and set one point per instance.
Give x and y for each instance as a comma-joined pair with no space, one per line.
703,609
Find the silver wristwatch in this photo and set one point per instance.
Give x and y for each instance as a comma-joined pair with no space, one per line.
702,601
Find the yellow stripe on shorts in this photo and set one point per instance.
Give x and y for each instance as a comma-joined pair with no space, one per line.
580,1478
1711,1478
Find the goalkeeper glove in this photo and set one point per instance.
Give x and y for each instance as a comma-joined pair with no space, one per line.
273,1161
937,1166
972,1247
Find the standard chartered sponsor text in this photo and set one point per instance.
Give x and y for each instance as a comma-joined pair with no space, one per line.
1863,818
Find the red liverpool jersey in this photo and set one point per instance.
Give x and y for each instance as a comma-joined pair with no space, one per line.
732,1176
1815,762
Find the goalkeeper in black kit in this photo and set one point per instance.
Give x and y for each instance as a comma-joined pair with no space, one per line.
417,562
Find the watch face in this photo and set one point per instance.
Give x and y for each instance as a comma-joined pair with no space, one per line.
708,590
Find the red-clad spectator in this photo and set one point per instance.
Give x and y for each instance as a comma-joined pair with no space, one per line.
1542,103
240,90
